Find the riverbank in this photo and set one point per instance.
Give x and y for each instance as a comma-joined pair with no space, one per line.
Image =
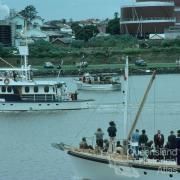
70,70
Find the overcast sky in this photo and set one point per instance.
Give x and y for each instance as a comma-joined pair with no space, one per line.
75,9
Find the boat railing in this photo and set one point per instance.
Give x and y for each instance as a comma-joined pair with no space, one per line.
144,152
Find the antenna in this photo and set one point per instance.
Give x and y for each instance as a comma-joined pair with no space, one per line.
23,50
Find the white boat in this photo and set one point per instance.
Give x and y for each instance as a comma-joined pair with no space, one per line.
101,82
20,92
98,165
92,166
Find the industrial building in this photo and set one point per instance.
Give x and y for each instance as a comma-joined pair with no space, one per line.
145,17
5,34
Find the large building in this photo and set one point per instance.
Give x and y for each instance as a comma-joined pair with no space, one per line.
5,33
145,17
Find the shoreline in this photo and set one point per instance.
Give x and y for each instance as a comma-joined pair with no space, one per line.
140,71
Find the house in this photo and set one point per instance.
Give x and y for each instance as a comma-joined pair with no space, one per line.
62,41
19,23
17,27
37,23
66,30
31,31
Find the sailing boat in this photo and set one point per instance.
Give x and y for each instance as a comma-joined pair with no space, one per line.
105,166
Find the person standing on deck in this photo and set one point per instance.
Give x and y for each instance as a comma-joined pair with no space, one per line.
171,144
172,140
135,143
159,143
99,138
143,139
112,135
178,147
159,140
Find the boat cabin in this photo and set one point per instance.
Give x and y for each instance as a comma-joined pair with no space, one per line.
100,78
12,89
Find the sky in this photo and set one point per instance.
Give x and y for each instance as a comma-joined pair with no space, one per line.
66,9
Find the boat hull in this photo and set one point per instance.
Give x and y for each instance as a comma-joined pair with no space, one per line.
38,106
98,87
96,169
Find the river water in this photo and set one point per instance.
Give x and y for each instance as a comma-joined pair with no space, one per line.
26,137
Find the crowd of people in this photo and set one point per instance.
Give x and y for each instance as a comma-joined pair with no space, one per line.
139,145
156,148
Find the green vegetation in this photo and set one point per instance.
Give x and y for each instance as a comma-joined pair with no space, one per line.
84,32
102,53
4,51
29,12
113,26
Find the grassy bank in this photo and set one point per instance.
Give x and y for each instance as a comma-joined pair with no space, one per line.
161,68
102,54
164,62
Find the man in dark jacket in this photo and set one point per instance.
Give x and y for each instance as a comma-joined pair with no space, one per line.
143,139
172,140
159,140
159,143
112,135
171,144
178,147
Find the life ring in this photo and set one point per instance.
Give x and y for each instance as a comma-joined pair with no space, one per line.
6,81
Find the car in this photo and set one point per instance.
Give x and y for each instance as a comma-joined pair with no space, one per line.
49,65
82,64
140,62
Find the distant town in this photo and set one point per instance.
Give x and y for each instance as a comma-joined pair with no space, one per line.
144,19
139,30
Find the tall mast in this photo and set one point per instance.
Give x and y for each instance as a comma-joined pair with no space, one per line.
125,92
25,56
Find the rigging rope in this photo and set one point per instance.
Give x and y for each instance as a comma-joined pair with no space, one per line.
6,62
154,106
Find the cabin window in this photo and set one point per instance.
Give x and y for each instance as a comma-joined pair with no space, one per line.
3,89
9,89
36,89
46,89
27,89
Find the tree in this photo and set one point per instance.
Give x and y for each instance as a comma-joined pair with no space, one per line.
76,28
89,32
85,32
113,26
29,12
116,14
